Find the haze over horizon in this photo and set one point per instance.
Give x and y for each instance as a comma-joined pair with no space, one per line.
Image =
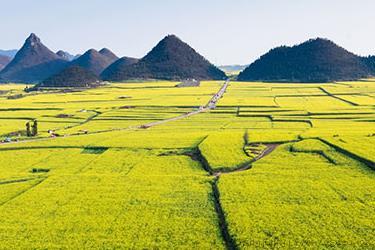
235,32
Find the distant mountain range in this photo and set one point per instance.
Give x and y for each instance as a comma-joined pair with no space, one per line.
95,61
73,77
370,62
34,62
66,55
170,59
115,70
317,60
8,53
4,61
108,54
232,68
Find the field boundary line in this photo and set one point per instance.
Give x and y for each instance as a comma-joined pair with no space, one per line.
336,97
23,191
197,155
352,155
229,241
96,114
5,182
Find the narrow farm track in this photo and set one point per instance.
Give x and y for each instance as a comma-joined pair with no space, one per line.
209,106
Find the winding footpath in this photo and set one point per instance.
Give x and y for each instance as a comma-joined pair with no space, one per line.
270,148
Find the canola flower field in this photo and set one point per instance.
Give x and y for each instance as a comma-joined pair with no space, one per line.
273,166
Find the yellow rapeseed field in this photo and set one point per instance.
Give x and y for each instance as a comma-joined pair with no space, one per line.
273,166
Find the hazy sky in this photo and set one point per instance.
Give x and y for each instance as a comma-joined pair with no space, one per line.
224,31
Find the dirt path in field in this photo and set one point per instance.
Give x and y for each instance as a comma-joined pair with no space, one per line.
270,148
209,106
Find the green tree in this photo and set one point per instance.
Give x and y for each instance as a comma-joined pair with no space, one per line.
28,130
35,128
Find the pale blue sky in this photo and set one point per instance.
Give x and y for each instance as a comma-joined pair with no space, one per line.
224,31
